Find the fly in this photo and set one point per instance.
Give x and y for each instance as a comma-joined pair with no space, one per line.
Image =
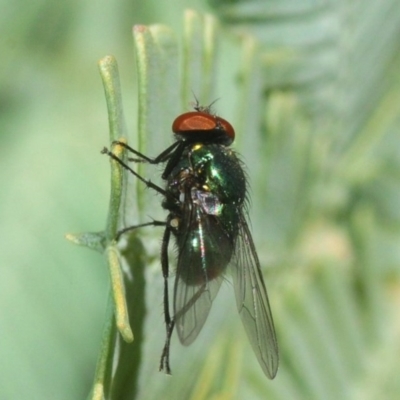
205,196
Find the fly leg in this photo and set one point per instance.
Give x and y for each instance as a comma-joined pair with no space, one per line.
142,158
131,228
172,154
169,322
148,183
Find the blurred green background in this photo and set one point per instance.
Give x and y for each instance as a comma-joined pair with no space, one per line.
320,134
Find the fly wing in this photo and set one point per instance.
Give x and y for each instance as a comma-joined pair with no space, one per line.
252,301
204,253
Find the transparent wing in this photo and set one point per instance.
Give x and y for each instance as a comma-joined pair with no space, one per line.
204,253
192,306
252,301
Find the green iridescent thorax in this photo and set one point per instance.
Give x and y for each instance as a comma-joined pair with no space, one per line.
221,171
223,176
215,177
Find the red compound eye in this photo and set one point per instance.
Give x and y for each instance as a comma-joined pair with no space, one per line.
204,126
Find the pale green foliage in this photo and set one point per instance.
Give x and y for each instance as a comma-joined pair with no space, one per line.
313,90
